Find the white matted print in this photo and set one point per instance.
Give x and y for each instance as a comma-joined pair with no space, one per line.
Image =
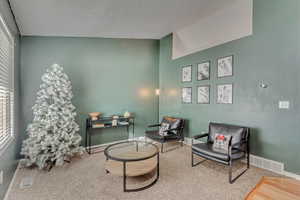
203,94
203,71
187,95
224,93
225,66
186,75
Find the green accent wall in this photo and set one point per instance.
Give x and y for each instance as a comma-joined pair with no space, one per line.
9,156
272,55
108,75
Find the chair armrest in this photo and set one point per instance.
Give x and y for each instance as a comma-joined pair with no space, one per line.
153,125
238,143
231,146
200,136
172,129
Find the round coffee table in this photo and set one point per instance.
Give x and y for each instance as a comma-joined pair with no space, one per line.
132,158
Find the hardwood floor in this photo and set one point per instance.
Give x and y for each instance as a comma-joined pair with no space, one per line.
275,188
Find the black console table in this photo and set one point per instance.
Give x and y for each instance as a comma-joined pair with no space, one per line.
106,122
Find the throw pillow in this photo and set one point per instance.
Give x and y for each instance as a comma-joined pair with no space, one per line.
221,143
164,126
175,124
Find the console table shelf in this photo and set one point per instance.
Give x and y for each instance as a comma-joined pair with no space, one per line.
103,123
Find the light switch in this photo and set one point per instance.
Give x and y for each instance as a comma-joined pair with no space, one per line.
284,104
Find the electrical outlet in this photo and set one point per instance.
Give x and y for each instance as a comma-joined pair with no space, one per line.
1,177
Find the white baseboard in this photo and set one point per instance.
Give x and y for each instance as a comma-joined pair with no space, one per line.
292,175
263,163
271,165
11,182
187,141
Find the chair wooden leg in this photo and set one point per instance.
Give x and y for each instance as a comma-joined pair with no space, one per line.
162,147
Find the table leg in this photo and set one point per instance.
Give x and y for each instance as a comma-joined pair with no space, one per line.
157,175
127,128
86,135
124,176
90,143
133,129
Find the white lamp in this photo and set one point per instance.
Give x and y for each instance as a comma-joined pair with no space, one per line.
157,92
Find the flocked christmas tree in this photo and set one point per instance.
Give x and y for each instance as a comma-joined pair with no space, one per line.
53,134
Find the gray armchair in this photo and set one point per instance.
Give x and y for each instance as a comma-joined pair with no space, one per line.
238,147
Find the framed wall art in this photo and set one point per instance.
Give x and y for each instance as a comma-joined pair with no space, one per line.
187,95
186,74
224,93
203,94
203,71
225,66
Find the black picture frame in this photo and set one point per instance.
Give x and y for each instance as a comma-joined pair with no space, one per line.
232,66
232,90
209,70
190,75
203,86
191,95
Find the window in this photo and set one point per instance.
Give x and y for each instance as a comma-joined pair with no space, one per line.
6,85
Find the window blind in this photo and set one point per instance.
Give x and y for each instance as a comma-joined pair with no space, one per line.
6,85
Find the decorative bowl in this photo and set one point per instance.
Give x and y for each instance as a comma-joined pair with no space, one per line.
94,115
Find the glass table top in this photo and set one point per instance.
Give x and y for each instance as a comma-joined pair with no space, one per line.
131,151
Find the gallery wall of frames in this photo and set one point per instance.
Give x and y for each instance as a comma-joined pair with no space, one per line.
224,91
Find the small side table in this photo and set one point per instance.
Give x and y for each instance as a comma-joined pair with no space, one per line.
103,123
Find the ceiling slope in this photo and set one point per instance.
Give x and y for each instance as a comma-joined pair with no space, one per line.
151,19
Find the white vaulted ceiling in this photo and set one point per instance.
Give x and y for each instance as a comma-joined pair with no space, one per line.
151,19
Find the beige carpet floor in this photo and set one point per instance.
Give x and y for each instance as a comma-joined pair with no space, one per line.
85,179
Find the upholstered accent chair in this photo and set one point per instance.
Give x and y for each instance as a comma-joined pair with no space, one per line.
238,147
170,129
